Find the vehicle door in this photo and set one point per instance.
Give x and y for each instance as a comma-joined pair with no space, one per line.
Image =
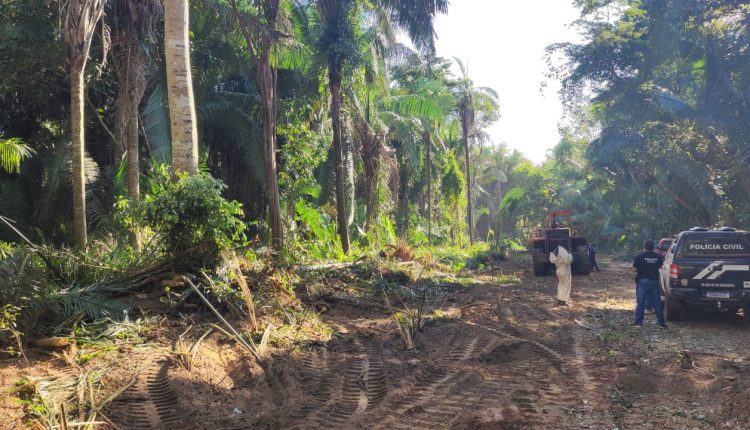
664,271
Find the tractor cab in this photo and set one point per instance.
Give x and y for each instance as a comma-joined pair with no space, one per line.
560,219
558,232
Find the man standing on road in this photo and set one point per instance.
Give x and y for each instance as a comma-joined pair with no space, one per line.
647,266
562,259
592,257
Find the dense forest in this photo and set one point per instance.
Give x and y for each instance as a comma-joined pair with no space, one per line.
331,129
331,125
141,140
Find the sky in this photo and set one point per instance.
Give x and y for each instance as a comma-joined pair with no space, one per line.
503,43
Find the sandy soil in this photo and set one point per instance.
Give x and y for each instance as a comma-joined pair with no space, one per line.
501,357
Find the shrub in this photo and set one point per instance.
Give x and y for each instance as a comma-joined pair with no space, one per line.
317,233
190,215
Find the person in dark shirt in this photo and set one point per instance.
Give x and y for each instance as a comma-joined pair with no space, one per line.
647,265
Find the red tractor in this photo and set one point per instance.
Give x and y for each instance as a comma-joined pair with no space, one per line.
559,231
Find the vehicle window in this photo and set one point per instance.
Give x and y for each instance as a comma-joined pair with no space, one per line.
665,246
703,245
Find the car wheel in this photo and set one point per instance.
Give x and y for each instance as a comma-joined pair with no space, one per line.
671,313
746,316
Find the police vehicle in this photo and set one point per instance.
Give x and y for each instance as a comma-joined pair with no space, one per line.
707,270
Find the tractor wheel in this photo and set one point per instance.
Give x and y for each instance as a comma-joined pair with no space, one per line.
540,268
581,262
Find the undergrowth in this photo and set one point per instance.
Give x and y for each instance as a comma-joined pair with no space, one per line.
474,257
185,226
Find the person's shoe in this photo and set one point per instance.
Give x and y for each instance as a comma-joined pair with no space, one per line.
560,303
664,325
637,324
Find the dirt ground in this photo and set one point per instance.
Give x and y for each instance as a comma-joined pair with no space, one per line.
495,357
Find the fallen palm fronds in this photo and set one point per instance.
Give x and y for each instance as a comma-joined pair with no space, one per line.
246,294
67,402
234,333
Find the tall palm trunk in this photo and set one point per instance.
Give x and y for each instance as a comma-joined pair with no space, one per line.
465,126
373,145
78,139
265,78
334,83
402,213
267,87
267,95
180,87
130,65
81,19
428,144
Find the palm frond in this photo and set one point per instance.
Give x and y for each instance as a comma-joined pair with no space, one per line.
416,17
155,120
12,152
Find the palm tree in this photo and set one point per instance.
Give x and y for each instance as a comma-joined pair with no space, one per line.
368,123
81,19
180,87
339,45
421,116
472,102
134,22
261,35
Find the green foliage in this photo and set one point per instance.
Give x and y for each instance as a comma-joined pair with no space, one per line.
459,258
5,250
190,215
304,151
51,285
317,233
9,329
512,199
505,279
667,127
453,181
12,153
340,42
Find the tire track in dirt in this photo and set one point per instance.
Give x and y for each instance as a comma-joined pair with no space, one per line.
594,387
556,385
431,403
358,387
531,378
315,370
554,357
352,385
451,386
150,404
516,391
480,376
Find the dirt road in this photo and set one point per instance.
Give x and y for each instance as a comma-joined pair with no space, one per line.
512,361
494,357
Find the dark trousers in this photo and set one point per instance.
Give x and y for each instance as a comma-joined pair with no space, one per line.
648,289
592,259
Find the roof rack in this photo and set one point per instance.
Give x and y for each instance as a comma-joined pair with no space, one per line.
726,229
698,229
